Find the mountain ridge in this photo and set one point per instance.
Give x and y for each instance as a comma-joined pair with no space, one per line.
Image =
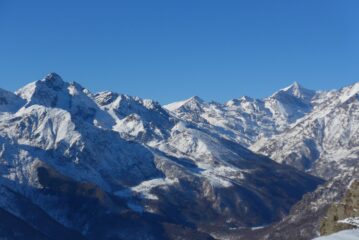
130,158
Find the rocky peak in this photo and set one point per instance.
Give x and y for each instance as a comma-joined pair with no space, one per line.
193,103
349,92
53,81
297,91
105,98
46,91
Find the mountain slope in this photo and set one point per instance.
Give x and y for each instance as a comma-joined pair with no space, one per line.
112,165
306,217
325,141
245,120
313,131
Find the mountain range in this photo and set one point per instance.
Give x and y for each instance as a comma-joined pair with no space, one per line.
83,165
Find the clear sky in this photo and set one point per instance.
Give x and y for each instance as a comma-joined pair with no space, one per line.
172,49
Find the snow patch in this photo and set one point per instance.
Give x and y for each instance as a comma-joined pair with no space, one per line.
342,235
144,188
354,221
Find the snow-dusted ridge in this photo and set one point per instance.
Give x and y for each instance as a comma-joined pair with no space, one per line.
246,120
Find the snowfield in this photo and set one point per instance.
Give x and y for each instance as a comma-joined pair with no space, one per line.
342,235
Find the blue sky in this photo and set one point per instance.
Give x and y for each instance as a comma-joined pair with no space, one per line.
173,49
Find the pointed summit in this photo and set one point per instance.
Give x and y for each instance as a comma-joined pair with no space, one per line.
349,92
53,77
195,99
192,103
295,86
54,81
50,91
296,90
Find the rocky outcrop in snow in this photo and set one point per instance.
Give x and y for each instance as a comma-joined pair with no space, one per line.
343,215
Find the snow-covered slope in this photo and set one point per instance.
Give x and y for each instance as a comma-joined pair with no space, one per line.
325,141
342,235
9,102
289,104
112,166
245,120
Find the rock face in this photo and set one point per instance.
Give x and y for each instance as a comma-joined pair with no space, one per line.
111,166
339,214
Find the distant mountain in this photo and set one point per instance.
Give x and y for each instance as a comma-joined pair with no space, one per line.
245,120
313,131
325,141
289,104
109,166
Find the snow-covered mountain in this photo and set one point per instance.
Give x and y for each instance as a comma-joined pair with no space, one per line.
312,131
108,165
325,141
112,166
245,120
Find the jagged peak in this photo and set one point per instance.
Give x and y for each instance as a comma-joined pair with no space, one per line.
52,76
294,87
296,90
295,84
196,99
241,100
79,86
349,91
193,101
48,87
246,98
53,80
105,97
